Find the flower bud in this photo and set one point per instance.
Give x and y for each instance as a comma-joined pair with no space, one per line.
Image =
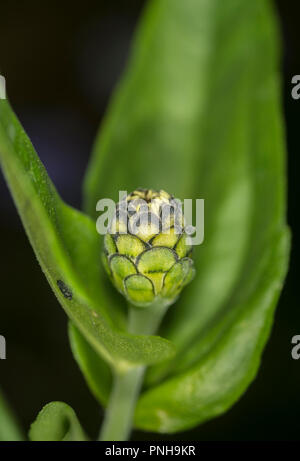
147,251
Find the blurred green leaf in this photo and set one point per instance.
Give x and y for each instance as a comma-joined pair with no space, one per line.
67,246
220,377
95,370
56,422
9,429
198,114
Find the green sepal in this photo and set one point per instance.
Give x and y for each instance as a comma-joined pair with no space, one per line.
121,267
183,246
109,244
154,263
166,239
156,260
177,277
139,290
130,245
106,265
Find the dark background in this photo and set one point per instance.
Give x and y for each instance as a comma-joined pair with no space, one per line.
61,62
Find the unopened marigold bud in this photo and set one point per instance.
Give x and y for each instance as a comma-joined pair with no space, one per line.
147,251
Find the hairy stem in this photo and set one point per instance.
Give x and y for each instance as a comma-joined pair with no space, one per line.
118,419
119,414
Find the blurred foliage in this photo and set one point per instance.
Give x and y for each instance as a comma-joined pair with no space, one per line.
56,422
198,114
9,430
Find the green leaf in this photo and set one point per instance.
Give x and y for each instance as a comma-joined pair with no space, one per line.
67,246
216,381
198,113
9,430
56,422
95,370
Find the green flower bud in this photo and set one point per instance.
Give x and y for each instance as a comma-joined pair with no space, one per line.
147,251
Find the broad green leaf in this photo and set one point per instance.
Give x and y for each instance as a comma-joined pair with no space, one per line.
9,429
95,370
248,212
198,114
67,246
56,422
212,385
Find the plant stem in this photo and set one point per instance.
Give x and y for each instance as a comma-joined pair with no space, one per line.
119,414
126,388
